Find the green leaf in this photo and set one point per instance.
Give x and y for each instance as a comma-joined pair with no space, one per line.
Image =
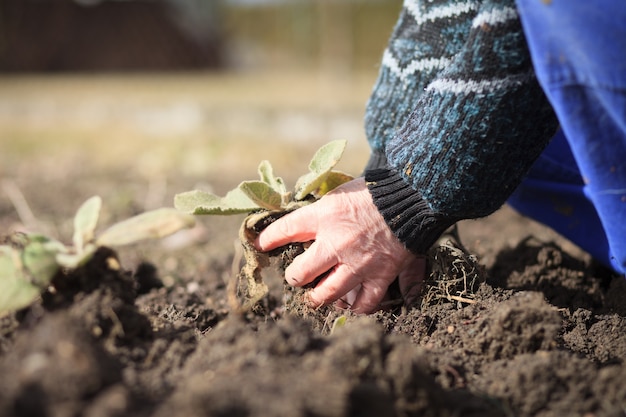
15,291
39,259
338,323
333,180
202,202
266,172
74,260
30,238
9,262
85,222
327,156
321,164
262,194
153,224
37,255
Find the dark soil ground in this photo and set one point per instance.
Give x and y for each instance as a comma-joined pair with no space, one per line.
522,324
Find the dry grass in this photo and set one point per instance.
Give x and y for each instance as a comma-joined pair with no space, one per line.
454,276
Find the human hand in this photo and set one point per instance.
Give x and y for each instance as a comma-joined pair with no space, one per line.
353,242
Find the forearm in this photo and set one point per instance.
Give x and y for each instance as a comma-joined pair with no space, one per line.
474,131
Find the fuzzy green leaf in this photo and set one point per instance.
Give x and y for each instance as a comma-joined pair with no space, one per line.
25,239
321,164
202,202
327,156
39,259
266,172
262,194
74,260
153,224
15,291
10,264
85,222
333,180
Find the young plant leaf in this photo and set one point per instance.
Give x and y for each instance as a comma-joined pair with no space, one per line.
153,224
10,264
202,202
39,259
85,222
333,180
327,156
266,172
74,260
338,323
321,164
262,194
15,291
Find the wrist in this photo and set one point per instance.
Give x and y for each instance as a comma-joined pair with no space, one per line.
405,211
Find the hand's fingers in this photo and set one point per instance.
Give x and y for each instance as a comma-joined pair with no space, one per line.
345,302
316,260
411,279
337,284
341,304
297,226
350,297
370,296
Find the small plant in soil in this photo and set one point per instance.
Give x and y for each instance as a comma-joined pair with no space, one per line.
265,200
29,261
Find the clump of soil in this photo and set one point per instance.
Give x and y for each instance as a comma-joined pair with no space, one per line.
536,333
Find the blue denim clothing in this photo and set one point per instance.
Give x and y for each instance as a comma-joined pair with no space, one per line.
578,185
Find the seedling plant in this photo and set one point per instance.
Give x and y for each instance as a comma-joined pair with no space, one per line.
29,261
265,200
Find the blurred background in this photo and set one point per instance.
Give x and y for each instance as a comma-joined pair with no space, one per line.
147,98
164,35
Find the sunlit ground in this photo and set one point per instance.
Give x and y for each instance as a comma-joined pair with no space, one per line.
192,124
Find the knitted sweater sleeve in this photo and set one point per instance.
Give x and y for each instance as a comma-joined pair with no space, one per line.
456,118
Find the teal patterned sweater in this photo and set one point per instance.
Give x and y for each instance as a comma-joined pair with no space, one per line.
456,117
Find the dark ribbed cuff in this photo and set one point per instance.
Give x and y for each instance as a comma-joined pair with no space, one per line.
377,160
405,211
